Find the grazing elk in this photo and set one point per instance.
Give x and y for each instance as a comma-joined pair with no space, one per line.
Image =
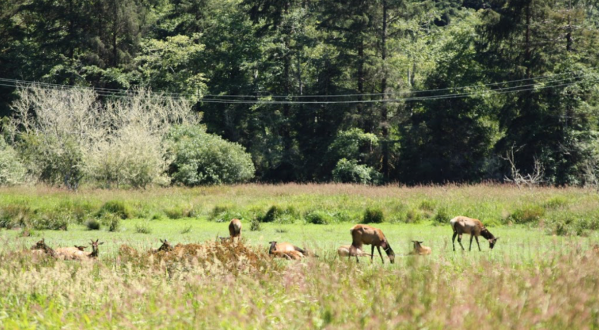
420,249
343,251
364,234
235,229
464,225
285,250
43,248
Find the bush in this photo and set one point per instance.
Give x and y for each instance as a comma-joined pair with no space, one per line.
143,228
117,208
318,218
348,171
255,225
413,216
373,215
12,171
273,213
112,221
441,217
15,215
202,158
528,214
223,213
92,224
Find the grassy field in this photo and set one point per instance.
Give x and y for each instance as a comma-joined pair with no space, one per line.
538,276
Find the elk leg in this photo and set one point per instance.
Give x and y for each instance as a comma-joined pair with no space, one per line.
379,249
455,233
471,238
477,243
460,241
372,253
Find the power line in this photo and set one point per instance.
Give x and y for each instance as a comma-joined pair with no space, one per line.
518,88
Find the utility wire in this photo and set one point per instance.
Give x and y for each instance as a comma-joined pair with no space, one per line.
518,88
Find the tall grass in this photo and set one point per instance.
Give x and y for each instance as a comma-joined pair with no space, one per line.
444,291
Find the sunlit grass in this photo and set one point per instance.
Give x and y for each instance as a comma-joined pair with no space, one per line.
532,279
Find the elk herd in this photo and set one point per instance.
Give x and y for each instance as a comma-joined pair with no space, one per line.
361,235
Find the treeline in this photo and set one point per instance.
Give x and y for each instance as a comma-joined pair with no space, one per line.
349,90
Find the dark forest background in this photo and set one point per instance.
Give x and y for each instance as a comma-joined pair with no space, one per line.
369,91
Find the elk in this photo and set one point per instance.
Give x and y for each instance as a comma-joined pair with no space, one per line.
41,246
420,249
285,250
95,250
364,234
235,229
464,225
81,247
166,247
343,251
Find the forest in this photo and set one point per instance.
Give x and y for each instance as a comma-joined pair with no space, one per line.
372,92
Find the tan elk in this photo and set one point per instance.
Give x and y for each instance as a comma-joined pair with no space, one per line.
364,234
285,250
343,251
420,249
95,249
464,225
235,229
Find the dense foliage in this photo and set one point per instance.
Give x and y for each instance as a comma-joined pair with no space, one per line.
442,90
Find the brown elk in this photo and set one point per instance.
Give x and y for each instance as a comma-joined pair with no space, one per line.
235,229
420,249
364,234
464,225
166,247
285,250
41,246
343,251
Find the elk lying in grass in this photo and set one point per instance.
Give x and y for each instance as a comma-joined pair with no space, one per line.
364,234
343,251
285,250
78,253
464,225
420,249
40,248
235,229
165,247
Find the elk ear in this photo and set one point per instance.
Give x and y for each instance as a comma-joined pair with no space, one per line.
100,243
496,238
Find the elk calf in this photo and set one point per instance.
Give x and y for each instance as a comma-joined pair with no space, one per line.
420,249
464,225
343,251
285,250
364,234
43,249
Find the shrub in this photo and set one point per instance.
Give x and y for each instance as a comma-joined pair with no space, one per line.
12,171
15,215
441,217
318,218
52,221
427,205
92,224
117,208
373,215
273,213
143,228
528,214
223,213
202,158
349,171
413,216
255,225
112,221
555,203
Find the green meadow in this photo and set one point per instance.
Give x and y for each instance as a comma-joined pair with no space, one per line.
543,272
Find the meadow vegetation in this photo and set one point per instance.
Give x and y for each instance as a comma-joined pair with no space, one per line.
536,277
